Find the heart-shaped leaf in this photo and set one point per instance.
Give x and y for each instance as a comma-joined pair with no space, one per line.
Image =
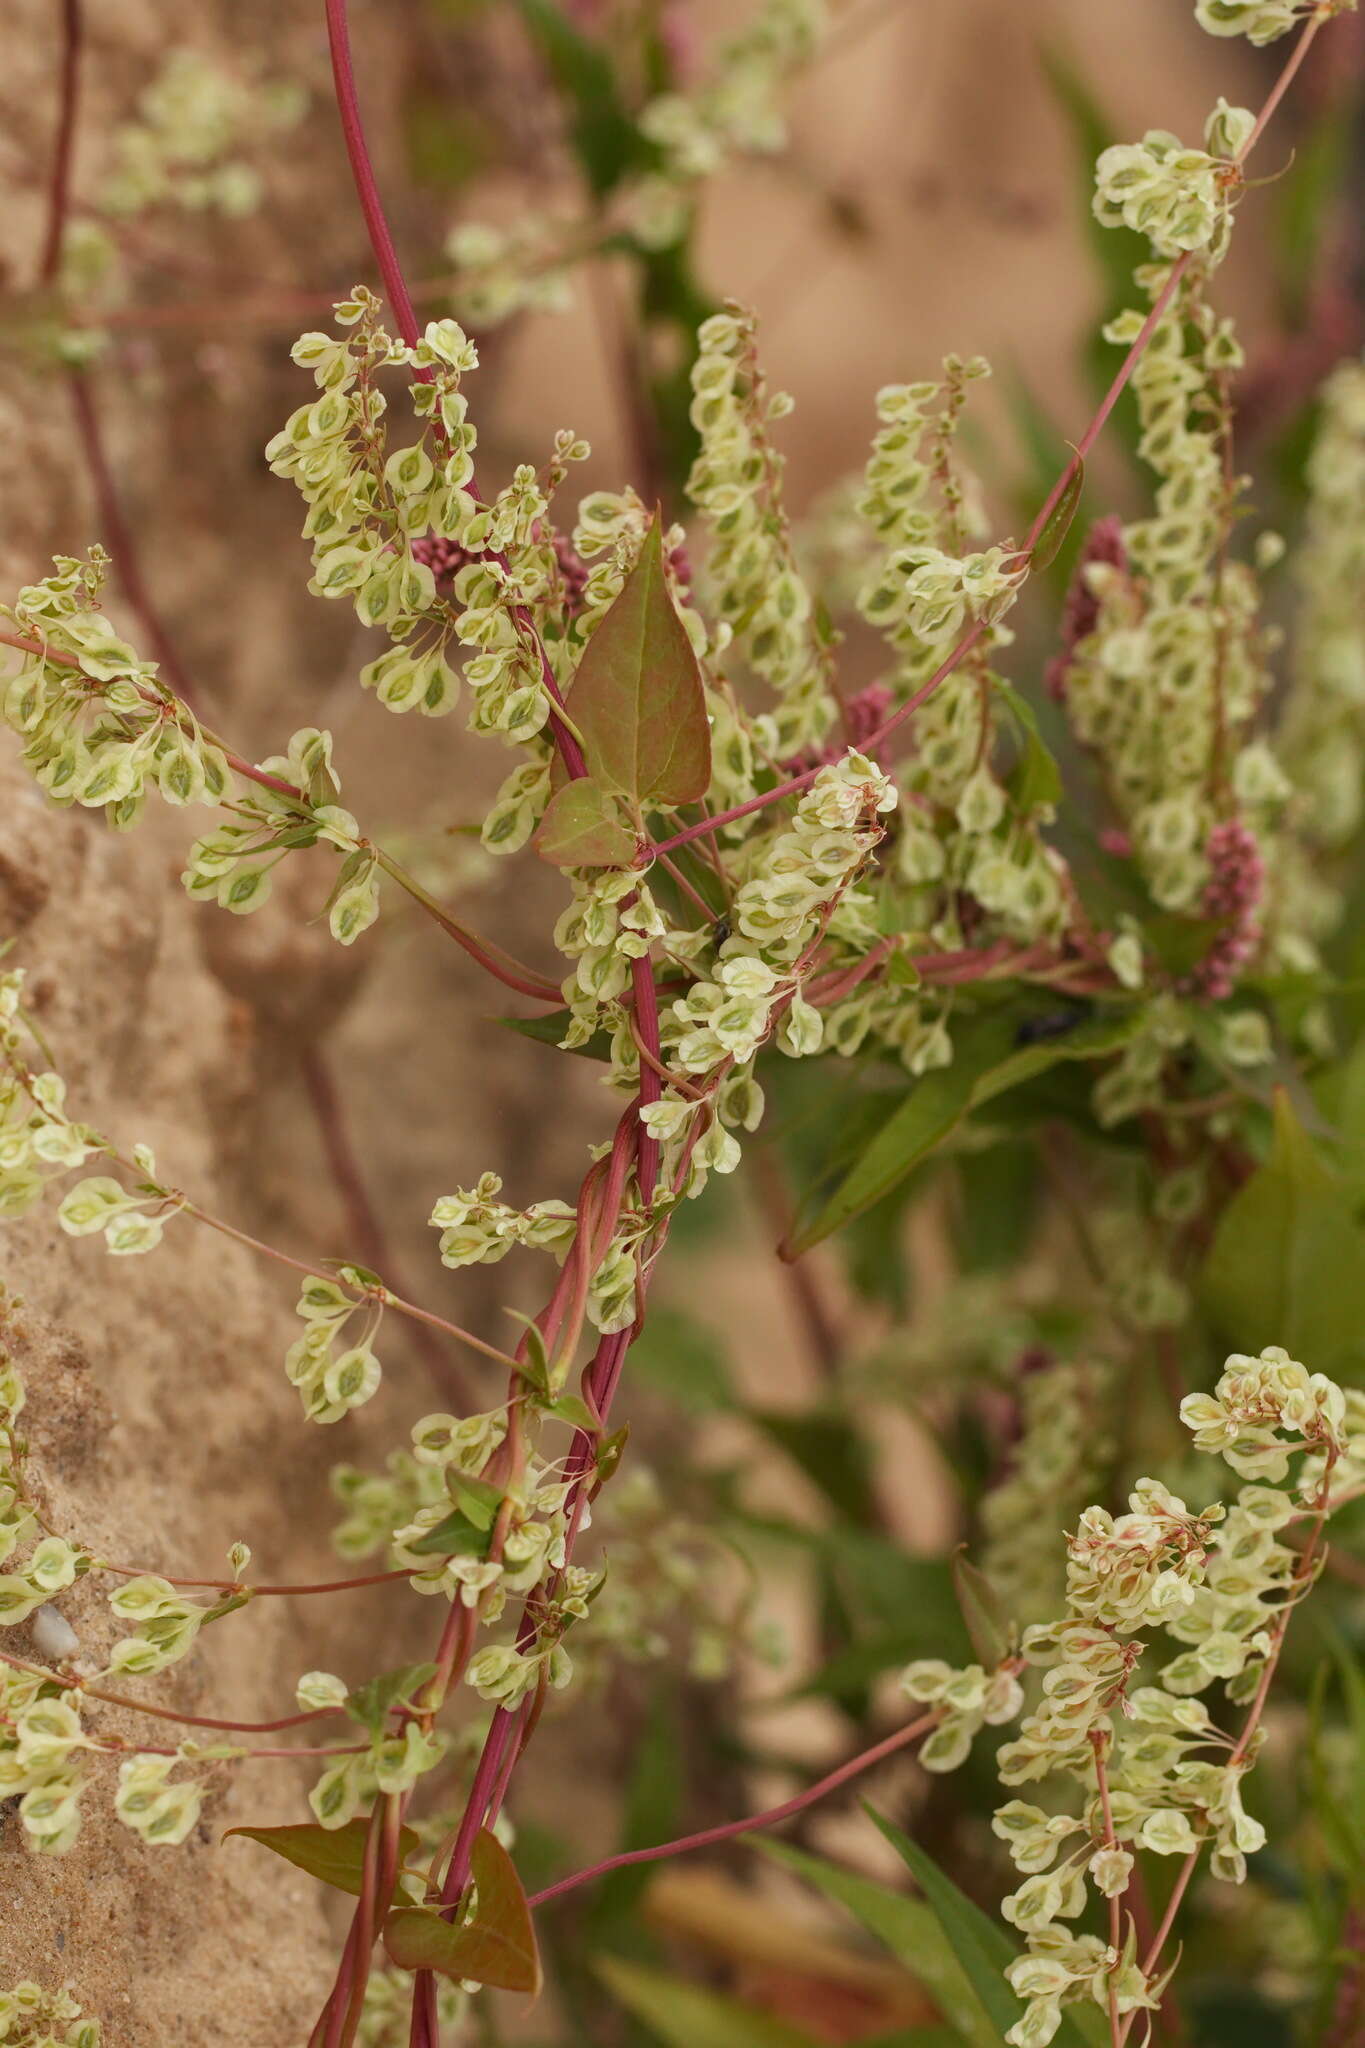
335,1855
581,828
497,1947
637,696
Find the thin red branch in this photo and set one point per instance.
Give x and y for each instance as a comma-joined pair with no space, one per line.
59,188
117,535
706,1838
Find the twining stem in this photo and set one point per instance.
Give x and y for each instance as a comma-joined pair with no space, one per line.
490,957
362,171
235,1586
705,1838
59,186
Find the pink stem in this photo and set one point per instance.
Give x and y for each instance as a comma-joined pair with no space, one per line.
770,1816
60,188
118,535
362,170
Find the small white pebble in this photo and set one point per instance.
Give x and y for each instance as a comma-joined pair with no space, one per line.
53,1636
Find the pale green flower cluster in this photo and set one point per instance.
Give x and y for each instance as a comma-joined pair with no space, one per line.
736,109
195,118
531,1514
1258,1402
233,864
331,1383
370,504
1153,1771
97,727
1166,688
1177,197
33,2018
923,507
670,1582
968,1699
51,1566
794,881
392,1764
755,587
37,1141
41,1745
523,266
479,1230
149,1804
165,1624
1260,21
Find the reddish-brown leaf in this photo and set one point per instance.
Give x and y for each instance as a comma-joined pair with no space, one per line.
582,828
335,1855
637,696
497,1947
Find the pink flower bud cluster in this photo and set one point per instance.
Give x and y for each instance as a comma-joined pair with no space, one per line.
445,558
1080,616
1234,890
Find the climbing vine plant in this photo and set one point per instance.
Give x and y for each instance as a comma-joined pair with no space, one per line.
1103,901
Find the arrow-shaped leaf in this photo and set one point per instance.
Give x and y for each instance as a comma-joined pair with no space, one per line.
497,1947
637,695
335,1855
582,828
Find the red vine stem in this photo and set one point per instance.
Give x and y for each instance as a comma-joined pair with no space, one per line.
116,531
602,1375
362,171
59,189
769,1818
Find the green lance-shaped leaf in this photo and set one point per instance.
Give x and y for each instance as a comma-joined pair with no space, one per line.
334,1855
983,1949
637,695
983,1612
909,1929
1287,1265
582,828
987,1061
1036,780
498,1946
1058,522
